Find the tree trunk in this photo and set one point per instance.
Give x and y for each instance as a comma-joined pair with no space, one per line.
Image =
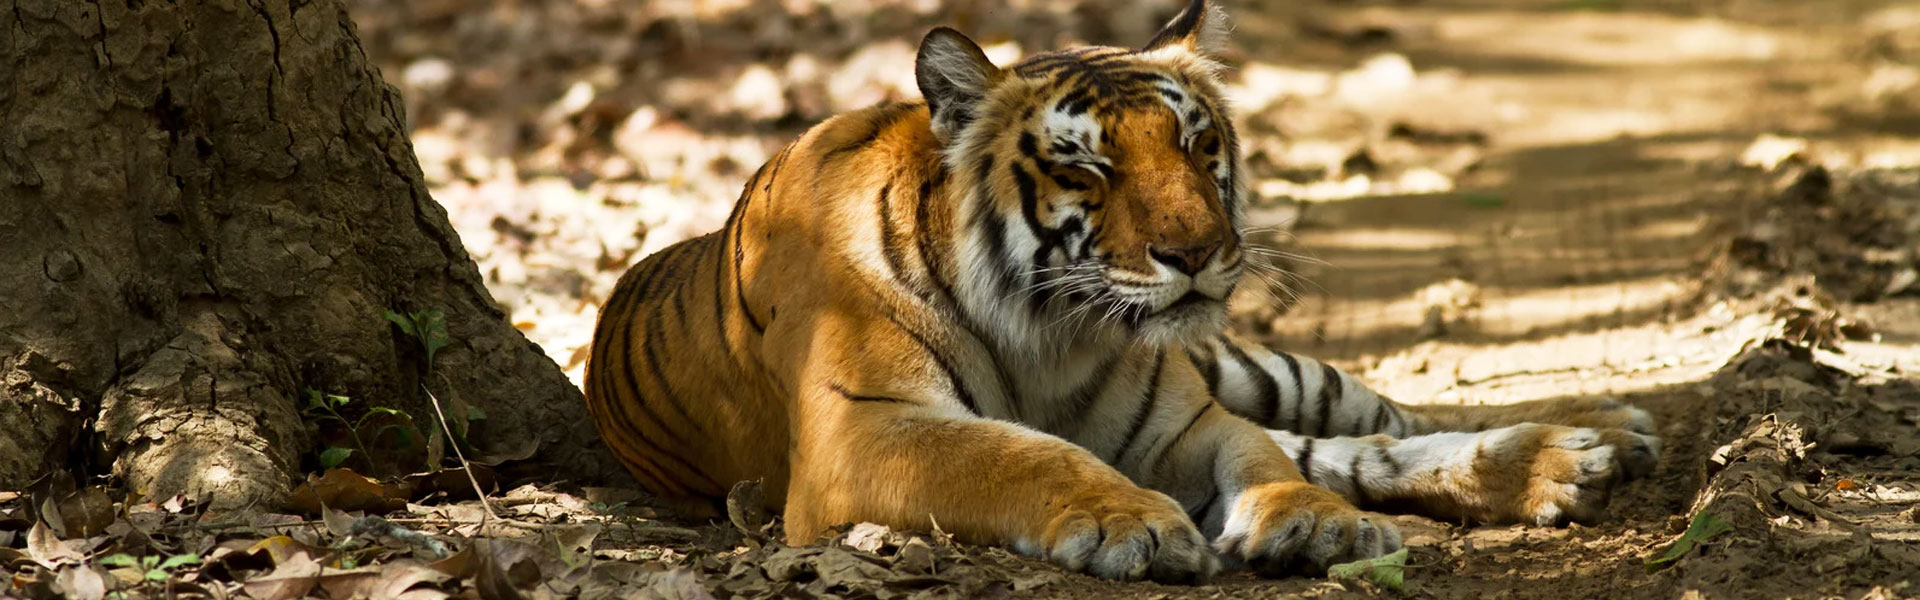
205,208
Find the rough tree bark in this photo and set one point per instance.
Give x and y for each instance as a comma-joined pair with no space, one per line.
205,206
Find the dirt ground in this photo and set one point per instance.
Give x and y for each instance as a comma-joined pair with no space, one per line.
1499,200
1709,209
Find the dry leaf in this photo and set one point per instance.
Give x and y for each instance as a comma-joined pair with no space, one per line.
47,550
867,537
746,508
50,514
345,490
391,581
280,548
338,522
291,578
676,584
506,567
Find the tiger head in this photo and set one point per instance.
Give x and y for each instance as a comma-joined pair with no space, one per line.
1105,182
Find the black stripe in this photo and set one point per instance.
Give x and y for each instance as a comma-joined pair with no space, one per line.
617,351
1330,392
1082,398
1139,420
1029,202
1191,421
740,289
889,246
740,286
1076,104
929,249
719,268
652,270
1379,419
1092,237
1353,479
1067,183
631,382
602,374
1305,461
1386,458
689,259
958,385
994,226
886,116
1266,390
1209,371
1299,423
739,249
859,398
647,448
672,398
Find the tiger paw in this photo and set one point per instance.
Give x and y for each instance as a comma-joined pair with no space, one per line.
1551,474
1128,534
1287,527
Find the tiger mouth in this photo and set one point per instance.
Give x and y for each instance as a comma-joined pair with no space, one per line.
1192,300
1191,303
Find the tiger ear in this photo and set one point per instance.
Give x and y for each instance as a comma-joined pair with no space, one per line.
954,75
1201,28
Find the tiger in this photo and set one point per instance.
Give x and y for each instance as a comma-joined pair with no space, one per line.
1001,311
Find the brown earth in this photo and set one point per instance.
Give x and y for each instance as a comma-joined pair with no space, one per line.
1495,201
1501,201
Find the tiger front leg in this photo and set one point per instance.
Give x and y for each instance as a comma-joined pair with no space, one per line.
1242,486
908,465
884,433
1529,473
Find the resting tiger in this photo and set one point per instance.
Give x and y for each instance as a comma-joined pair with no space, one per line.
999,310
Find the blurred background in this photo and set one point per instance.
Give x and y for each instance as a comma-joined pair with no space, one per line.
1490,199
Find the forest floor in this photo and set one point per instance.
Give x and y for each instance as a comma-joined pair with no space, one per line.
1708,209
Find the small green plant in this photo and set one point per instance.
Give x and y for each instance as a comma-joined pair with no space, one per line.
1387,571
152,567
427,326
326,407
430,328
1703,529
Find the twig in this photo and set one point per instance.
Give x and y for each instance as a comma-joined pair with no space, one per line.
464,465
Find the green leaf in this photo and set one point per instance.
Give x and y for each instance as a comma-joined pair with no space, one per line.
333,456
1704,527
1385,571
313,400
183,559
156,575
337,400
149,562
120,560
475,414
403,322
433,331
407,434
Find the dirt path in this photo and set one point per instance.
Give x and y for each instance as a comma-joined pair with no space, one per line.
1512,199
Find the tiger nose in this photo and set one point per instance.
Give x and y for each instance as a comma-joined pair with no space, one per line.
1189,259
